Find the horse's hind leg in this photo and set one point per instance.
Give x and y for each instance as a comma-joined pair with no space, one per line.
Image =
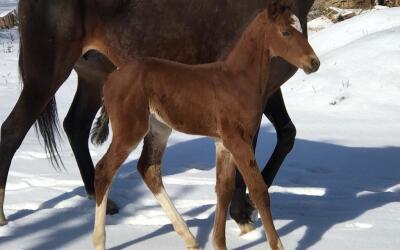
45,64
92,69
35,95
149,167
225,188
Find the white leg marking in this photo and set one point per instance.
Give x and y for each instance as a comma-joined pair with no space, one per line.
176,219
3,220
99,233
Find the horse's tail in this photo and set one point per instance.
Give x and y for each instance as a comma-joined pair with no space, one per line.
47,123
100,130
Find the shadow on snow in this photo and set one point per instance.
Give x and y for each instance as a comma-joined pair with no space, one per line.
343,172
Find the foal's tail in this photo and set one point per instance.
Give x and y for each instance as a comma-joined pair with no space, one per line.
100,131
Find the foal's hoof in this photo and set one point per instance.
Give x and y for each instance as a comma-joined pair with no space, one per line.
245,228
112,208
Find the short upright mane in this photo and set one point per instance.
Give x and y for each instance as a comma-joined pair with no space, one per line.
274,9
239,33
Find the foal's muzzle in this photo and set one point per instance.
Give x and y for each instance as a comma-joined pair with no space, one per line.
313,66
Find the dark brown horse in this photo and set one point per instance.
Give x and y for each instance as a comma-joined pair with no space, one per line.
147,97
54,35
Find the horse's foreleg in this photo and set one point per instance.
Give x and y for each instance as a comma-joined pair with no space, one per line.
78,122
286,134
244,157
224,189
149,167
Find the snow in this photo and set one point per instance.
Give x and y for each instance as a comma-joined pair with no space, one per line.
338,189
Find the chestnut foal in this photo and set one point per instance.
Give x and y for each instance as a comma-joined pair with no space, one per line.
223,100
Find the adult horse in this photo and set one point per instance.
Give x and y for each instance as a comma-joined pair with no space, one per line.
55,34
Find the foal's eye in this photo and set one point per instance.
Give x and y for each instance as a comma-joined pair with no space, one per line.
285,33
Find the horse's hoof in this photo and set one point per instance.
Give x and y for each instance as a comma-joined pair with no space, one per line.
245,228
3,220
3,223
242,209
112,207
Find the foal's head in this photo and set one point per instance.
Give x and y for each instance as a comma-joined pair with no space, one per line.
285,38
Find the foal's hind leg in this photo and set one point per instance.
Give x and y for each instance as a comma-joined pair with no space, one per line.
224,189
149,167
92,69
244,157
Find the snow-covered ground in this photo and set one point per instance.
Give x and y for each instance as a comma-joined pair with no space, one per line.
338,189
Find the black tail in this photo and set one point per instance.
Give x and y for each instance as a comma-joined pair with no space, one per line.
47,123
100,130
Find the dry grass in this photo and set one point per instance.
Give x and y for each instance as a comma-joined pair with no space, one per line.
317,9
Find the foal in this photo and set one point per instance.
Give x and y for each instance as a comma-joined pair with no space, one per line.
223,100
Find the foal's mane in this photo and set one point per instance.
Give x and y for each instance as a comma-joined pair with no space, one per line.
231,44
274,8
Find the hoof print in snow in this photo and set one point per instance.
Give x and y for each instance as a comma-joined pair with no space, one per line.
337,100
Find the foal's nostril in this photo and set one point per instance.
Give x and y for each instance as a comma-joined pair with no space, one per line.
315,64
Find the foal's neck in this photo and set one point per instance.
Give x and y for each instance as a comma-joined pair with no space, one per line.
249,53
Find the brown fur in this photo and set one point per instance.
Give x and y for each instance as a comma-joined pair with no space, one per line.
223,100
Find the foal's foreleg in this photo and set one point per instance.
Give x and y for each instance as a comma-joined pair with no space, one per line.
126,136
224,189
241,208
149,166
104,174
244,157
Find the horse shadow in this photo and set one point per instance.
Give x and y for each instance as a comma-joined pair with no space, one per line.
355,180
